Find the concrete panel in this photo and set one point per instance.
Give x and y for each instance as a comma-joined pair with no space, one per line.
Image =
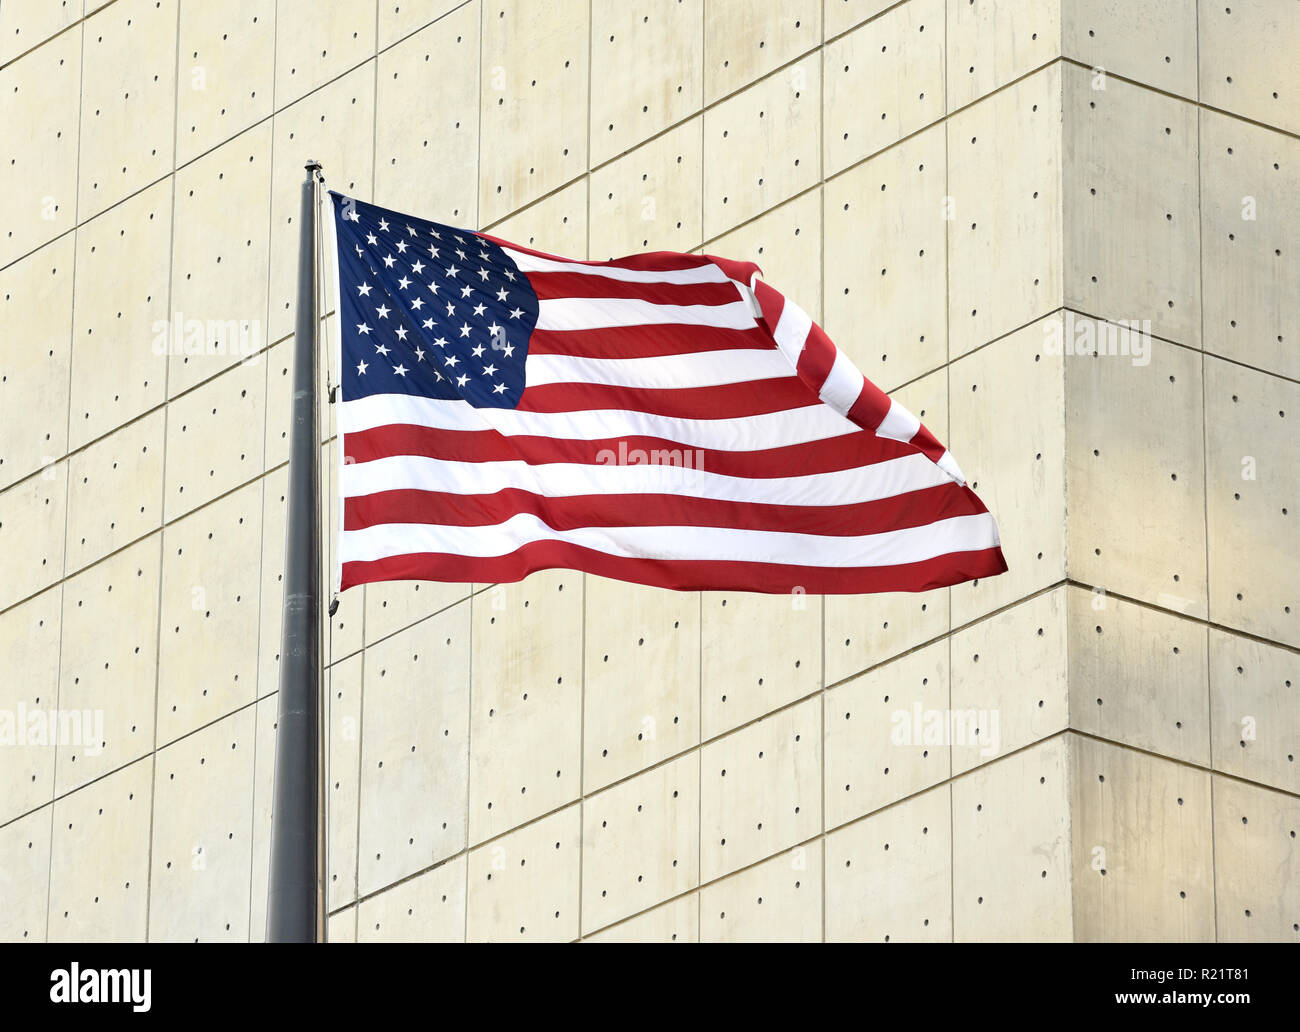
122,323
842,15
414,727
428,908
115,490
31,533
526,712
647,70
1136,484
641,693
202,834
1251,500
1253,712
1011,848
342,927
263,790
758,653
343,682
883,82
786,243
29,641
226,72
209,613
760,790
1250,179
523,887
38,175
864,630
128,101
399,18
219,259
99,859
641,842
1132,232
215,436
325,126
648,200
428,167
762,146
25,24
1247,58
36,307
1256,863
876,745
743,41
1138,676
534,103
1014,463
1153,41
1009,686
108,664
1143,851
677,921
776,901
991,42
1003,211
889,877
25,876
885,265
392,605
557,224
326,39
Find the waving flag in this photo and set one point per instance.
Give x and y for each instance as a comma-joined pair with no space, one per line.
667,419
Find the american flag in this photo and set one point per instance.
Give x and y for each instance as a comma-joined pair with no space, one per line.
667,419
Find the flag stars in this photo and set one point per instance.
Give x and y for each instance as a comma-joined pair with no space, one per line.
477,351
418,267
401,333
362,366
370,239
382,311
382,349
401,247
383,226
464,330
427,324
501,294
433,251
418,303
403,282
466,290
389,261
480,309
452,271
462,380
400,370
363,289
363,328
419,354
482,274
515,313
499,389
489,370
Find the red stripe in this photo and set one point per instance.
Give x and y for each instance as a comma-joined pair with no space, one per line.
847,451
726,401
650,341
871,407
816,358
570,512
552,285
682,575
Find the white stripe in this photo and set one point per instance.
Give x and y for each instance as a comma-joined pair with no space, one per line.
949,465
899,424
843,384
591,313
698,369
708,273
566,479
743,433
890,548
792,331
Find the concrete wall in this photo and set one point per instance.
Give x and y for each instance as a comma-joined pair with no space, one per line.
961,190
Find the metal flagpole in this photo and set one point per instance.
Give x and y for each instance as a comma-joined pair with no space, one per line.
295,896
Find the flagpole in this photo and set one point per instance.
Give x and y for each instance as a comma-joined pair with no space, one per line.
295,894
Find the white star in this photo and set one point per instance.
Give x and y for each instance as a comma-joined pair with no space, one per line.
499,389
357,248
480,309
501,294
433,251
362,328
441,342
419,354
438,375
401,333
464,330
403,282
482,274
427,324
452,270
401,247
381,349
363,289
434,288
484,255
418,267
388,262
508,350
509,275
417,304
515,313
400,370
494,329
477,351
459,239
466,290
489,370
461,381
354,216
435,234
410,230
450,309
459,253
450,360
383,226
382,311
370,239
361,368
